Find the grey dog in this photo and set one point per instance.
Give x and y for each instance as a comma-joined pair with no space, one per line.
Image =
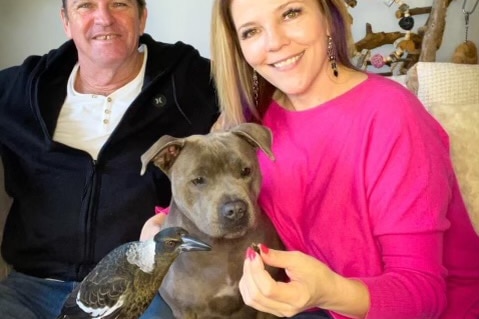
215,181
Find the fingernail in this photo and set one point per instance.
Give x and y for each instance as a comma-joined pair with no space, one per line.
264,248
250,253
161,210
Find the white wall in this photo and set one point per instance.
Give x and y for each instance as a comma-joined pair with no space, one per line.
26,27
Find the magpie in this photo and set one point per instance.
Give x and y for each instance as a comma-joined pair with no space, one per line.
125,281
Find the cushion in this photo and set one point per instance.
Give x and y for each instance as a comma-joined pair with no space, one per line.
461,120
444,82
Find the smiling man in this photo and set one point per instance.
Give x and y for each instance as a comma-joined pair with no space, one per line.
73,125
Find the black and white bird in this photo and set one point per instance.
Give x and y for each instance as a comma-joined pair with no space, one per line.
125,281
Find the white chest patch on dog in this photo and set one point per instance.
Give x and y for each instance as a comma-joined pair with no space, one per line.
228,289
142,255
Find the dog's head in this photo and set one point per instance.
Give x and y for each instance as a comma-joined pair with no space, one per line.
215,178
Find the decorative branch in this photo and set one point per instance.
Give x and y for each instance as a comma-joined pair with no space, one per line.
434,30
413,11
373,40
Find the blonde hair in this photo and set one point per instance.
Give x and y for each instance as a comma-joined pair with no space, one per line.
233,76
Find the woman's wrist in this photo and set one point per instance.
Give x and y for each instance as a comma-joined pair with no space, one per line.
348,297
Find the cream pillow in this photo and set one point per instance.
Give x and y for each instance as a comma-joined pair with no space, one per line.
444,82
461,121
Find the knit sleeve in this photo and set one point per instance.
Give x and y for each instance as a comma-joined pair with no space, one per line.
409,181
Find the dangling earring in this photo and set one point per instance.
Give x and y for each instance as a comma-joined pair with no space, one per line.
255,88
332,56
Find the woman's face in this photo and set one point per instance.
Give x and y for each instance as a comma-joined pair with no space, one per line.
285,41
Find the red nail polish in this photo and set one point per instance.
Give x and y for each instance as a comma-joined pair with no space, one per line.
250,253
264,248
161,210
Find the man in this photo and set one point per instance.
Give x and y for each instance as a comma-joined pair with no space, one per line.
73,125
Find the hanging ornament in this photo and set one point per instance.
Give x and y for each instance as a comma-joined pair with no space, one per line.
466,52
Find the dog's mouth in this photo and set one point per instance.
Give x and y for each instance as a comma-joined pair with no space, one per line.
235,234
229,232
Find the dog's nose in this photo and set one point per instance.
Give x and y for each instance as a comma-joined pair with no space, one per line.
234,210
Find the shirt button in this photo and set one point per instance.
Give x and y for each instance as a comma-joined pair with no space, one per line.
105,121
109,100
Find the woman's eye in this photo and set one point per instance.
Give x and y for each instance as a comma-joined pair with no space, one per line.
198,181
246,34
291,14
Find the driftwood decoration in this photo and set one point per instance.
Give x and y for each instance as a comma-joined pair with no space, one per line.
434,30
420,46
374,40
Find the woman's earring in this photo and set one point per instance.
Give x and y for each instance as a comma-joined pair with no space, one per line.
255,88
332,56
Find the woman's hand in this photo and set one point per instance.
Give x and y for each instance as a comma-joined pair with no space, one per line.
153,225
312,284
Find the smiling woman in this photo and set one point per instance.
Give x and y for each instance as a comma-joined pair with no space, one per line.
90,104
362,190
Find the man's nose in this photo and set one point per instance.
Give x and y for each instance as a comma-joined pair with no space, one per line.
104,15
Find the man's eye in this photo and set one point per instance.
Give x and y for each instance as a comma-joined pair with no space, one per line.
84,5
120,4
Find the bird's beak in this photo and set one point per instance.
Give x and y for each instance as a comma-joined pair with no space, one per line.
193,244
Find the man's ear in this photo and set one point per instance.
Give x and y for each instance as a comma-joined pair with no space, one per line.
143,19
65,22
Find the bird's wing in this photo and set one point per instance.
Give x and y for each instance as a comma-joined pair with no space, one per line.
99,295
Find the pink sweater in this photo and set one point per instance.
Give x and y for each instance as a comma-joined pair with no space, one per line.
365,184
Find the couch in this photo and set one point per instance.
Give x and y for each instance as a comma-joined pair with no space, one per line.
451,93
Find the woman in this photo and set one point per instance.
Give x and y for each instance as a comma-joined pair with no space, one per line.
362,191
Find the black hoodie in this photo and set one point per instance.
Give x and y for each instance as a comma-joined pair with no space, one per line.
70,210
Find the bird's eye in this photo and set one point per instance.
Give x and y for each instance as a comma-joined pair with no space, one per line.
169,243
246,171
198,181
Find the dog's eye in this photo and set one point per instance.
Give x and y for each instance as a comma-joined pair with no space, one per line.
198,181
246,172
170,243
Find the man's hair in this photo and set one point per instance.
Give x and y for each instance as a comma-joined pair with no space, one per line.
141,5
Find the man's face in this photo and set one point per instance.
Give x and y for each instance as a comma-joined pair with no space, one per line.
105,32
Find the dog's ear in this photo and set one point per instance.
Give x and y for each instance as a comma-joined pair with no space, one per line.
163,153
257,135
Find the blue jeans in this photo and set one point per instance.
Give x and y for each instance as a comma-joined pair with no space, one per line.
26,297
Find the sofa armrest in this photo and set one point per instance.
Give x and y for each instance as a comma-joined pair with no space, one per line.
5,203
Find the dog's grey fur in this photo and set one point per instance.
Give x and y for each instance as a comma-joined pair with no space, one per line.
215,184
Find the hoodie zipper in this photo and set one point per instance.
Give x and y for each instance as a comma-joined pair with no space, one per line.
90,199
